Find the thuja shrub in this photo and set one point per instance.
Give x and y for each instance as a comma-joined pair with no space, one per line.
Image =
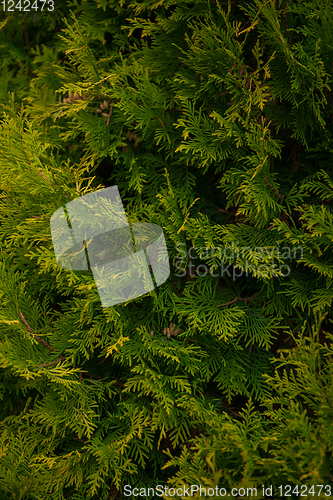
214,120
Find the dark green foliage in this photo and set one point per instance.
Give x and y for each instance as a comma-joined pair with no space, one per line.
215,122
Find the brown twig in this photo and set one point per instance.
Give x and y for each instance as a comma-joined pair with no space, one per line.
324,395
93,376
206,452
284,18
109,115
48,180
113,492
275,191
26,36
244,25
78,439
37,337
44,177
103,361
238,298
52,363
226,211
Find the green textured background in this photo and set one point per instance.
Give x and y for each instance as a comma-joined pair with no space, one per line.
217,127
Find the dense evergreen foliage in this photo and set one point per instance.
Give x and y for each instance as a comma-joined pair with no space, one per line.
214,119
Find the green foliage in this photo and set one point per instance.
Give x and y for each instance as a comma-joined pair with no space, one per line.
214,119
